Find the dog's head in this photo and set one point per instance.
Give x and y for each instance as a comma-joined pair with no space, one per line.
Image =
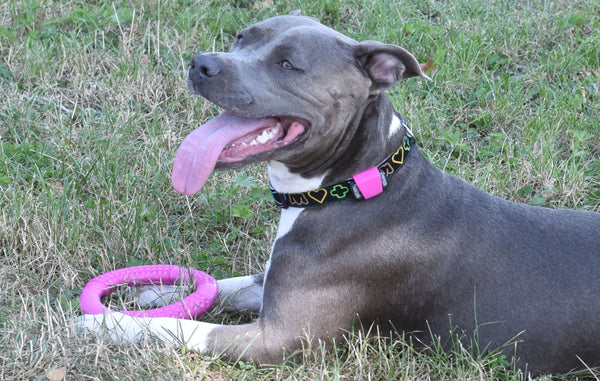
288,84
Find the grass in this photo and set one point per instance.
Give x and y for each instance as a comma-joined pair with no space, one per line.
94,105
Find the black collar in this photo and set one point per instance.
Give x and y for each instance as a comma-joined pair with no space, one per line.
361,186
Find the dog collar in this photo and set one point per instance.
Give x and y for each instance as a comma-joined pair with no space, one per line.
362,186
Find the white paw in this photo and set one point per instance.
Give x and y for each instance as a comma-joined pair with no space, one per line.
118,327
160,295
121,328
239,294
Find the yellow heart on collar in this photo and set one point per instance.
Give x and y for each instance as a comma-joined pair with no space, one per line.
318,195
398,156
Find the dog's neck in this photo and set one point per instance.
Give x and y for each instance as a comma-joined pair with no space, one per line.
380,132
362,186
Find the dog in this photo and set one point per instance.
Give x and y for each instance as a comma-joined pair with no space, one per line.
370,231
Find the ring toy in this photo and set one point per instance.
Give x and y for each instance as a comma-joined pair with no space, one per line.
190,307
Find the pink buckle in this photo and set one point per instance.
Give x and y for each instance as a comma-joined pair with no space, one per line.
369,182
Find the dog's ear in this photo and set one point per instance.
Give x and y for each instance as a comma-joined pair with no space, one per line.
386,64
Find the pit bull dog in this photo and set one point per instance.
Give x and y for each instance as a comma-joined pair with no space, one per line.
370,231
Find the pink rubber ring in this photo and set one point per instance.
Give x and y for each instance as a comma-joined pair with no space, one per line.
190,307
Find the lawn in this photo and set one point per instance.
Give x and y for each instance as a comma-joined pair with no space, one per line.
93,105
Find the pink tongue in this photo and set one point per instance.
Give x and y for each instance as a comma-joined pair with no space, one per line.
198,153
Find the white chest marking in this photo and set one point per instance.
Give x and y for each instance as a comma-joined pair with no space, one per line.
394,126
286,221
285,181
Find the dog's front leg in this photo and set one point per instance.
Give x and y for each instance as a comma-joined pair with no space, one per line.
290,315
257,341
121,328
198,336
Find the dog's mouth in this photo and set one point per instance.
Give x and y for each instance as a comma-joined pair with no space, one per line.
230,138
276,133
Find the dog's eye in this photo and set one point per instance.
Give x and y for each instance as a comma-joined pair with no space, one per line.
286,65
240,36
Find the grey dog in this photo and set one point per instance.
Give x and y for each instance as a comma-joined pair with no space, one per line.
370,231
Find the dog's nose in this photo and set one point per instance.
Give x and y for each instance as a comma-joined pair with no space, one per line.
205,65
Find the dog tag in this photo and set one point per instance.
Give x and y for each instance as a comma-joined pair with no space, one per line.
369,182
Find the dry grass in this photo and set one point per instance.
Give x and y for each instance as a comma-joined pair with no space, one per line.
94,106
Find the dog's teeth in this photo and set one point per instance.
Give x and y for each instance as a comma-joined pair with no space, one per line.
266,135
261,139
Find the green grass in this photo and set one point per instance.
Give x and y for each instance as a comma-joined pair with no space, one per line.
94,104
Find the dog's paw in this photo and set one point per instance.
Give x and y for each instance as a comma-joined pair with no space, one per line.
154,296
124,329
117,327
